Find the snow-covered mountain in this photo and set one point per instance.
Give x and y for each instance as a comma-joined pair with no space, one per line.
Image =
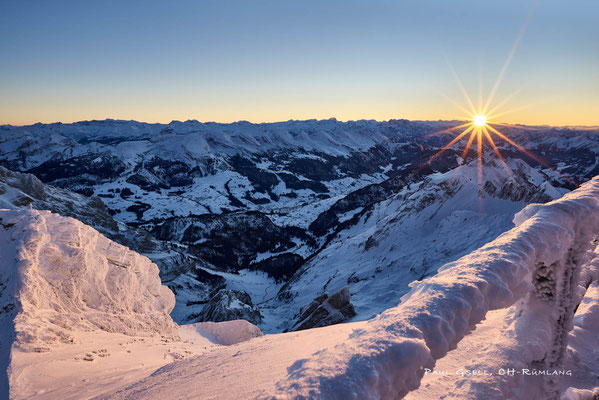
254,213
408,236
146,171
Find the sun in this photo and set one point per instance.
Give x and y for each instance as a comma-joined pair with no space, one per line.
479,120
479,129
481,124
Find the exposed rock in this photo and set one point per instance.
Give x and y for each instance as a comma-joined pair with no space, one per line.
292,182
79,172
326,310
228,305
262,181
21,190
313,169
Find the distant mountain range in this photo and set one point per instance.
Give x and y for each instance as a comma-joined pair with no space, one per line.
257,221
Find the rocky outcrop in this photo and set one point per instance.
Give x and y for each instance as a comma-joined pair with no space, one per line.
79,173
157,173
228,305
19,190
326,310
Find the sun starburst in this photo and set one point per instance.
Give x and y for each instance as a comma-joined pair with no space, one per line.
481,129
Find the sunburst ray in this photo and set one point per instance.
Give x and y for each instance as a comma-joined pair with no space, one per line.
481,120
448,145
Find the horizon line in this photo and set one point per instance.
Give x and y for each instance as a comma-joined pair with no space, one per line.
582,126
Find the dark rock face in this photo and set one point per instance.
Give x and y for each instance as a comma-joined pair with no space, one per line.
292,182
367,162
228,305
262,181
30,191
313,169
27,190
326,310
280,267
139,208
518,188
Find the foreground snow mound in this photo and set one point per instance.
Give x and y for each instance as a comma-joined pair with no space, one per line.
62,276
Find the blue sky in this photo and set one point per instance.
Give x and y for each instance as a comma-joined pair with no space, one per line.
260,61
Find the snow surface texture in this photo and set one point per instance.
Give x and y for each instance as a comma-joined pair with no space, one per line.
384,357
81,314
69,277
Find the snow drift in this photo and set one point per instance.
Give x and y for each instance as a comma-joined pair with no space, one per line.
60,275
81,314
226,333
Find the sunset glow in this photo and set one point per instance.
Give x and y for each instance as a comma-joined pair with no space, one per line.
230,67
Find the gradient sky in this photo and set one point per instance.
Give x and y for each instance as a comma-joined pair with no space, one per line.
261,61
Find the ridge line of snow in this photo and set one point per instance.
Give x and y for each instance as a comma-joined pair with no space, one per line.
385,358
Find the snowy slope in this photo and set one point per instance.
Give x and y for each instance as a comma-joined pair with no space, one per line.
81,313
513,299
408,236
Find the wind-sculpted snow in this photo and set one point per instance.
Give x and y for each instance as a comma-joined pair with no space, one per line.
386,357
81,315
65,277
